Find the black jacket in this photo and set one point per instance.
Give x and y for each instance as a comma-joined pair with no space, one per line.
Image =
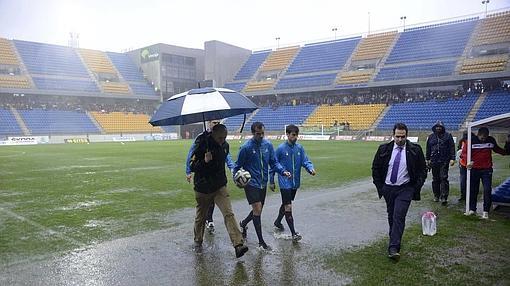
440,146
209,177
415,166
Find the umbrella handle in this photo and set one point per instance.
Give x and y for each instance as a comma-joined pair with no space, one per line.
244,121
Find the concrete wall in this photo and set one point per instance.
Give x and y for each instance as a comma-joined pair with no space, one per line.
223,61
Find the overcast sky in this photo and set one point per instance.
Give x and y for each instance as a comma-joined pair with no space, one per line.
116,25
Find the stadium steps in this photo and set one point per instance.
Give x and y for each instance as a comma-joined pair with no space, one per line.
20,121
284,70
121,78
384,58
23,68
472,113
381,116
467,49
89,71
94,121
348,63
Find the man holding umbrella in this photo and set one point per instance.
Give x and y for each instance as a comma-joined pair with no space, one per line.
210,184
230,164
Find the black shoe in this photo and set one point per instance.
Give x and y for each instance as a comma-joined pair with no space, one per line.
279,226
296,237
436,199
197,247
444,202
241,250
394,255
264,246
244,229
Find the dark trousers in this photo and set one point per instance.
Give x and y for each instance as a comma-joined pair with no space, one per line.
210,211
463,182
485,175
440,184
398,199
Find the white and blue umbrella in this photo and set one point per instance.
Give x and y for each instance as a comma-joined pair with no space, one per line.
201,104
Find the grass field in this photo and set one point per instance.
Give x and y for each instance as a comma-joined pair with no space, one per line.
58,197
55,198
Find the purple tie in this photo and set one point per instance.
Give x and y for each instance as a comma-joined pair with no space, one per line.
396,163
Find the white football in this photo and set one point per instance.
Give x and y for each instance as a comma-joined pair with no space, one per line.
241,178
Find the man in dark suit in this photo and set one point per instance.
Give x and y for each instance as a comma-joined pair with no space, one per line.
398,172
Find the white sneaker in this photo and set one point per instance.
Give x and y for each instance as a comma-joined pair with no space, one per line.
470,213
485,215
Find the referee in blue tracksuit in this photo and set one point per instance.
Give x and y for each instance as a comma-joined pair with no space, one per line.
257,157
292,157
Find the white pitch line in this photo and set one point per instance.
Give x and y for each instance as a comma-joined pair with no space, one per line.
42,227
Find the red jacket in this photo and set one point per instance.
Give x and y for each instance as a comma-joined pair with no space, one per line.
481,152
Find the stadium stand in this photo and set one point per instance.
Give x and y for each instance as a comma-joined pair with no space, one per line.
7,55
8,123
131,74
306,81
279,59
366,57
356,76
124,122
275,118
40,121
10,71
358,117
14,81
485,64
432,42
53,60
97,61
251,65
496,102
416,71
494,29
323,56
423,115
374,46
86,85
259,85
237,86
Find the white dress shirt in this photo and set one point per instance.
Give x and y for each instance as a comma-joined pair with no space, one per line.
402,175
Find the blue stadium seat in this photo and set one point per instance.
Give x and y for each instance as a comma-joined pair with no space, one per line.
45,59
8,123
496,102
40,121
423,115
252,65
130,72
325,56
416,71
275,119
85,85
306,81
431,42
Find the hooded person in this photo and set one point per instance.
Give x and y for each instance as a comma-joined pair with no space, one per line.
440,155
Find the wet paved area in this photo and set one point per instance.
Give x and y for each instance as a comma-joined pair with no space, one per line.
329,220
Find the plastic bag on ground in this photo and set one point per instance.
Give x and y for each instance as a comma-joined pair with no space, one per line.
428,223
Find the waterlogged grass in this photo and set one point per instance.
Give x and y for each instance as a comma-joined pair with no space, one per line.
465,251
59,197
